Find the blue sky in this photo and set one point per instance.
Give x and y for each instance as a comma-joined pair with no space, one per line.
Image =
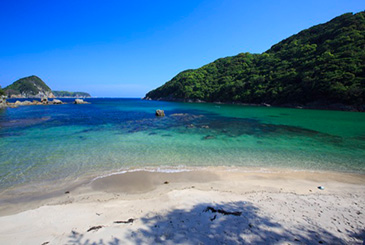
126,48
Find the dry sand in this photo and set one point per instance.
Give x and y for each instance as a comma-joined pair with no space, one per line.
204,206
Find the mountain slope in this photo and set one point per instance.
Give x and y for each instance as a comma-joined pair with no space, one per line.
28,87
322,65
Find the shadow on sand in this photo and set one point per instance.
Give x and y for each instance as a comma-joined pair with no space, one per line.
207,223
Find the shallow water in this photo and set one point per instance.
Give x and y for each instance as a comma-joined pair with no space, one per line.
61,143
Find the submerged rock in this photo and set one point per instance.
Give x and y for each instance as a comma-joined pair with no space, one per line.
208,137
160,113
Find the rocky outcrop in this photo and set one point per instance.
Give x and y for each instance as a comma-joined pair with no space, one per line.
160,113
80,101
57,102
2,102
44,101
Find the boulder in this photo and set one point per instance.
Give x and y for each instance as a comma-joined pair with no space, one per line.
80,101
160,113
36,102
57,102
44,100
2,102
26,102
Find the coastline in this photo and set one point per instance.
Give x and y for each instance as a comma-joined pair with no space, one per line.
276,205
310,106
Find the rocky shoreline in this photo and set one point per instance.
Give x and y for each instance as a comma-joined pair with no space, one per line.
315,105
43,101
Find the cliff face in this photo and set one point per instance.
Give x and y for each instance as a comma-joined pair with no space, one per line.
28,87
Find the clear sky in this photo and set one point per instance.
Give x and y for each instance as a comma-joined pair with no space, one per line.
126,48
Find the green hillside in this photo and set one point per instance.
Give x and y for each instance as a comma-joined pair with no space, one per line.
2,92
324,64
27,87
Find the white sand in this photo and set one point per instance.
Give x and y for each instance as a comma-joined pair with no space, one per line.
279,207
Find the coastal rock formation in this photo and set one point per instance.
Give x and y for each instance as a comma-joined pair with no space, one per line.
57,102
160,113
80,101
36,102
44,101
2,102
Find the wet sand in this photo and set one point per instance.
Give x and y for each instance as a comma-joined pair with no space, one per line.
207,205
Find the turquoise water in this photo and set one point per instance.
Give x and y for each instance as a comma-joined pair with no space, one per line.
61,143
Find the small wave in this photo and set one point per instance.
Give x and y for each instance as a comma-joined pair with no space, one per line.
177,169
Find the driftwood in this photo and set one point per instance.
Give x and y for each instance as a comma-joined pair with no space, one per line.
124,222
95,228
221,211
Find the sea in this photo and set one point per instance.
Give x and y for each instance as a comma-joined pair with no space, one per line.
43,147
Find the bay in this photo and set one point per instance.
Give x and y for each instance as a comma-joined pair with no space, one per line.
44,145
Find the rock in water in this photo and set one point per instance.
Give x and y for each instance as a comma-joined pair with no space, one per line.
80,101
36,102
160,113
44,100
57,102
2,102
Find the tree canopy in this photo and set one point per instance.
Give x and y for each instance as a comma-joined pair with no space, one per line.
325,63
28,85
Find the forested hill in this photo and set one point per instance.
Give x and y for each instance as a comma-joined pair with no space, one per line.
322,65
67,94
28,87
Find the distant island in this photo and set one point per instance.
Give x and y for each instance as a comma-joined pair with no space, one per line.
34,87
320,67
67,94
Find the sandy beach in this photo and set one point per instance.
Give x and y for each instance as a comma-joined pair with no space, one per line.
201,206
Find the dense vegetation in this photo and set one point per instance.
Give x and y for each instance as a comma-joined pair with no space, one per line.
323,64
33,85
2,92
28,86
60,94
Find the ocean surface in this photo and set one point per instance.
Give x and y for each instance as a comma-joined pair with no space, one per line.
52,145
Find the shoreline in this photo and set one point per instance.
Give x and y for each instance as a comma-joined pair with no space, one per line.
19,198
277,206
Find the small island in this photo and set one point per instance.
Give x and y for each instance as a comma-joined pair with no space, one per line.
33,87
67,94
